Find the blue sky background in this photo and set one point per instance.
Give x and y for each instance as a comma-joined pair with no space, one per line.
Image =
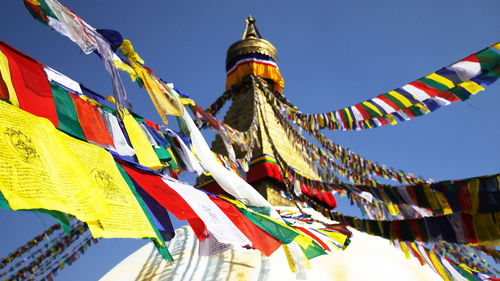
332,54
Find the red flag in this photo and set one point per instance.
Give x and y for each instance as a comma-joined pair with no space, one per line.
261,240
168,198
93,126
31,84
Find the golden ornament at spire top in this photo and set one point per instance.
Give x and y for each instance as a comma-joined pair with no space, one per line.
251,43
251,30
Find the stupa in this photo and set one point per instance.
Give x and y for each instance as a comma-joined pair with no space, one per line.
250,61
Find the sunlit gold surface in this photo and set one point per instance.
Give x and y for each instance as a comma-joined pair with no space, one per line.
251,43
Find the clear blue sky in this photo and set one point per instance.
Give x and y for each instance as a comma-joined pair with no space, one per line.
332,54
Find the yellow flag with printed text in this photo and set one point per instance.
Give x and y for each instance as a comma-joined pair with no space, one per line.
127,218
43,168
37,170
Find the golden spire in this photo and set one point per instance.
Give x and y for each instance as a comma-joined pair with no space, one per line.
251,43
251,30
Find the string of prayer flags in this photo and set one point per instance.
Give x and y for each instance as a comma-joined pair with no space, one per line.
82,114
116,53
353,165
280,230
69,258
45,261
455,82
217,105
460,228
471,195
315,225
440,262
470,256
21,250
490,251
80,178
166,192
27,257
323,159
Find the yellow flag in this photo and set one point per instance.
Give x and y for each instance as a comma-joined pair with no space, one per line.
129,52
164,102
404,248
289,258
37,170
338,237
486,228
34,2
187,101
441,79
473,189
126,68
5,75
127,219
443,202
471,86
430,196
144,151
439,266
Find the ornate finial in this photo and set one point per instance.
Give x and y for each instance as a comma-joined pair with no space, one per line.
251,43
251,30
